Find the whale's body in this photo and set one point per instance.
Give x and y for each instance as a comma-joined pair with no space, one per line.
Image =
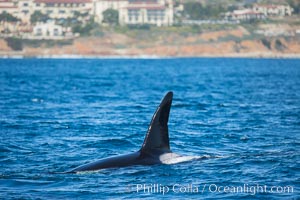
155,149
136,158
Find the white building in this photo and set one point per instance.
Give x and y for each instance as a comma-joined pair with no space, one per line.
26,8
56,9
159,13
274,10
62,9
9,6
155,12
21,9
47,31
243,15
102,5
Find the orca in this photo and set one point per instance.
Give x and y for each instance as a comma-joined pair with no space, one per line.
155,149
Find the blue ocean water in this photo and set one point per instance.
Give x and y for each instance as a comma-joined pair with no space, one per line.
243,115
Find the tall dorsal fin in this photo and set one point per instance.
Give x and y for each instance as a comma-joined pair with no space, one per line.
157,137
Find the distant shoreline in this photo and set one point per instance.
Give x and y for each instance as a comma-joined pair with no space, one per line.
74,56
185,42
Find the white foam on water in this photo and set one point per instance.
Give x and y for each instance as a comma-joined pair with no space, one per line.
173,158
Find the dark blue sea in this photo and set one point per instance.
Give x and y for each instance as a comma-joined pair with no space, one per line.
241,116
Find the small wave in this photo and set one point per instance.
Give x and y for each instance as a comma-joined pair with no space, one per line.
37,100
172,158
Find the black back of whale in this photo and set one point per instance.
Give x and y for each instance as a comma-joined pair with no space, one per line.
156,143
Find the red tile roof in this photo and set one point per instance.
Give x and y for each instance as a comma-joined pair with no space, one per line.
268,5
146,7
248,13
63,1
7,7
143,2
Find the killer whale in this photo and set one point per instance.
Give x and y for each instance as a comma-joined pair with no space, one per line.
155,148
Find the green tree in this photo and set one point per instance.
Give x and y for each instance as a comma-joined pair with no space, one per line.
214,11
192,10
4,16
15,43
196,11
38,16
78,14
232,8
266,43
295,4
111,16
84,29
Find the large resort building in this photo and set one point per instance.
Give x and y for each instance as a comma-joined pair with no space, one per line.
159,13
155,12
260,12
56,9
274,10
20,9
62,9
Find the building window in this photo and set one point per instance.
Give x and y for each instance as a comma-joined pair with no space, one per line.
134,14
50,4
25,12
55,32
39,32
155,15
25,4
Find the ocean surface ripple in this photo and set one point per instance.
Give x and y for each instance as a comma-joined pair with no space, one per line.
242,116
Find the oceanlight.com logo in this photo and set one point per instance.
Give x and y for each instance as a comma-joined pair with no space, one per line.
210,188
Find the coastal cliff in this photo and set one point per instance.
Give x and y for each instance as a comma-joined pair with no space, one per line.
233,42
